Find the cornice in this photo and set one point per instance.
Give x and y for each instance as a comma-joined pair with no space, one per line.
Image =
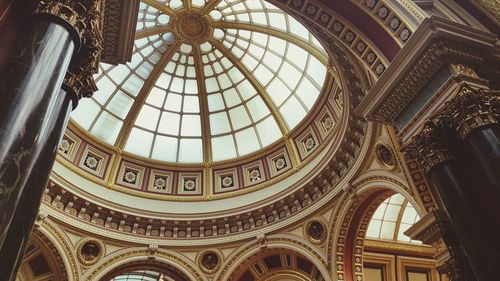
436,42
120,18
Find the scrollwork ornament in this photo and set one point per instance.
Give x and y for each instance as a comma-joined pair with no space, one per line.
428,146
453,269
66,12
83,19
79,78
473,108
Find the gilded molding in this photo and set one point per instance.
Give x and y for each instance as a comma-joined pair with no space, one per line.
209,269
38,237
428,146
68,12
386,156
453,269
491,8
473,108
435,229
460,69
174,258
79,78
344,212
437,55
120,20
316,238
46,225
224,271
89,260
468,110
400,248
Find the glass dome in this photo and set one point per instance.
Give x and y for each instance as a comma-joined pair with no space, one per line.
208,81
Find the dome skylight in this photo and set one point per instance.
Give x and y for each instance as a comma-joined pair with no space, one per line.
208,81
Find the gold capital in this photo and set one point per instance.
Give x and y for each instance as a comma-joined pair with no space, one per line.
429,147
473,108
83,19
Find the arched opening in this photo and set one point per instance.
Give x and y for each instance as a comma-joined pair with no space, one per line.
146,271
277,265
392,218
41,261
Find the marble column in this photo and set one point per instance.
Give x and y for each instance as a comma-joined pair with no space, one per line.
11,254
435,149
485,142
477,121
29,88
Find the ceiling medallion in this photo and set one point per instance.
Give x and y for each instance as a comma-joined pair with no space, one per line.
191,27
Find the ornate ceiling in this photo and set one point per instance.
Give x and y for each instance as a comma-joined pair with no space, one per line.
220,64
207,83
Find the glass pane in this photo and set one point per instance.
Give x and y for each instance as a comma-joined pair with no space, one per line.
223,148
219,123
107,127
165,149
169,123
247,141
148,117
269,131
86,112
139,142
292,112
191,151
191,126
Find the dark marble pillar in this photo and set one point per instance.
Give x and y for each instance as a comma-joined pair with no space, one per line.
450,184
11,254
29,89
475,115
485,143
460,183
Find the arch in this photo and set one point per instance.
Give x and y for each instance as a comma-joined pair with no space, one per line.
380,178
133,257
142,267
48,255
268,245
394,211
60,244
350,220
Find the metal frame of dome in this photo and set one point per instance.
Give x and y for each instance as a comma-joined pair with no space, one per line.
261,101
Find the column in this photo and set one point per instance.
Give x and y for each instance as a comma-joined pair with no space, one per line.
476,119
29,88
435,147
12,253
63,44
